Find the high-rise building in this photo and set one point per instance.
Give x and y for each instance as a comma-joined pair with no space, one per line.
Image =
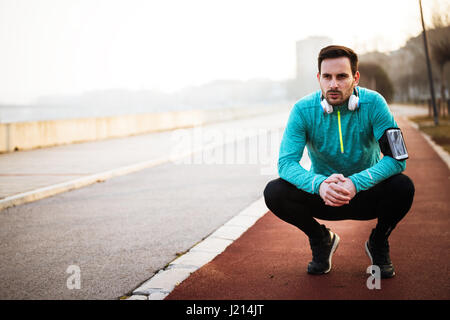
307,53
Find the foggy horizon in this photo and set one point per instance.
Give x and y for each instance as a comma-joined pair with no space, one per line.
63,48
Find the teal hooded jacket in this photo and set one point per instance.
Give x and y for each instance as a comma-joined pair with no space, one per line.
343,141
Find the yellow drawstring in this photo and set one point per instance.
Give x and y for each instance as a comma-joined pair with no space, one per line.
340,132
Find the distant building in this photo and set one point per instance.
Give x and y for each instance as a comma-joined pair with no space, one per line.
307,52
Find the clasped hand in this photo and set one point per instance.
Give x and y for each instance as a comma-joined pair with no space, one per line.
337,190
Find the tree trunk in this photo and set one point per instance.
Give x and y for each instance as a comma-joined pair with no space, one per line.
443,96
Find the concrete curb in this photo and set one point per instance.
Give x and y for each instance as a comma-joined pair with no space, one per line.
163,282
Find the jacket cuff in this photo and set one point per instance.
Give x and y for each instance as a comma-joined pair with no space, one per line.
317,181
355,182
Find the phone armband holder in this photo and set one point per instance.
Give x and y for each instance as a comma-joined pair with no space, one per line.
392,144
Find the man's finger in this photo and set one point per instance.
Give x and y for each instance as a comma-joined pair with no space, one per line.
339,189
332,180
339,176
335,177
337,199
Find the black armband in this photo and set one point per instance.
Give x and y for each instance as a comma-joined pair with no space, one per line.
392,144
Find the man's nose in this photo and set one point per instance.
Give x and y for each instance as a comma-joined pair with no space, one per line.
333,83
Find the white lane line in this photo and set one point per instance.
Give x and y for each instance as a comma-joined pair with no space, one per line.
48,191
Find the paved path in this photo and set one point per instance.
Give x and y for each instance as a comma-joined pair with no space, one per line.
120,232
281,256
76,165
269,260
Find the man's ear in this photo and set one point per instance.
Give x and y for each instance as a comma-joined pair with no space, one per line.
357,78
318,76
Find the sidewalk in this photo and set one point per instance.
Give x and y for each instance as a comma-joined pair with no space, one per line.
35,174
269,260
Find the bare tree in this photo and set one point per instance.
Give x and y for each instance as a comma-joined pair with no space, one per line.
374,77
440,52
440,40
440,14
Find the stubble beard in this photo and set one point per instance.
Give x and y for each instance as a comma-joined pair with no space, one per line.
339,100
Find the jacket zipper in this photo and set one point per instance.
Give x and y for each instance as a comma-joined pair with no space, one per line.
340,132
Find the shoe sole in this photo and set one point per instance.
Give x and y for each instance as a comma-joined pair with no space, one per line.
333,249
371,260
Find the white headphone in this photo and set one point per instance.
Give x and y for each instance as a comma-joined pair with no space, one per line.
353,103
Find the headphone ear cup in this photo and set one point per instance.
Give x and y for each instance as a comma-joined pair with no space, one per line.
326,106
353,102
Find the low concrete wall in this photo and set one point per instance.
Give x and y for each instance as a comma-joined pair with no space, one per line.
38,134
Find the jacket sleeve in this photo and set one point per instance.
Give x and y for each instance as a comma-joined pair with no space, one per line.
382,119
291,151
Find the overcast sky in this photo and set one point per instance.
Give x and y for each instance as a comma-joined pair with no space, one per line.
57,47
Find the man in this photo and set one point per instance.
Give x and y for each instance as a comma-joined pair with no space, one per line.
344,127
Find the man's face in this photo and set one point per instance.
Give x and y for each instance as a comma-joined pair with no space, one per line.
336,80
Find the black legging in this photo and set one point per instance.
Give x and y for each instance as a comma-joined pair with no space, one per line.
389,201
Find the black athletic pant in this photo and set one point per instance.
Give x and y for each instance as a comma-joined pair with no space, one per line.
389,201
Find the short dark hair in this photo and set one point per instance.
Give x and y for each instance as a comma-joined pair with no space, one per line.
335,51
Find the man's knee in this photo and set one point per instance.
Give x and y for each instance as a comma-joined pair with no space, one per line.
402,184
401,190
274,192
